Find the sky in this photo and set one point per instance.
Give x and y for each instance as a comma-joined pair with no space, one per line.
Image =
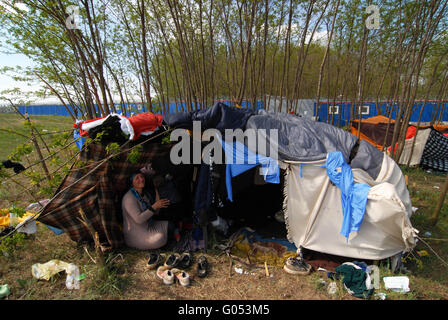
7,60
13,60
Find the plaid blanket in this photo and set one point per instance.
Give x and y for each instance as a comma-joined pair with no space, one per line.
98,195
435,154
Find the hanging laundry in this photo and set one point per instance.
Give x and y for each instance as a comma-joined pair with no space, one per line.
79,139
141,124
353,195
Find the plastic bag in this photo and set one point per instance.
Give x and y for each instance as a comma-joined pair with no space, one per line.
46,270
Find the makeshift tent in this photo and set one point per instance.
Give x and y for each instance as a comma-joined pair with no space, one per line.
339,195
99,194
427,148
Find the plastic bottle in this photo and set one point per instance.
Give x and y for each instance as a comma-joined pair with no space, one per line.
332,288
72,280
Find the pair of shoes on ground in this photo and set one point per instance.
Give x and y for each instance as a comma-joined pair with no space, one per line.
169,276
185,260
297,266
174,260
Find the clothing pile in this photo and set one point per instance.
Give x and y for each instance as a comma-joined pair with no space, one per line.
355,277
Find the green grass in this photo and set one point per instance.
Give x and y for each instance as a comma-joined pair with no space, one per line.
12,121
15,140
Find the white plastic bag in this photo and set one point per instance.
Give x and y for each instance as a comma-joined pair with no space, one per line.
28,226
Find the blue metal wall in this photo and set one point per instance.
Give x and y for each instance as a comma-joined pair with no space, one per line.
60,110
342,118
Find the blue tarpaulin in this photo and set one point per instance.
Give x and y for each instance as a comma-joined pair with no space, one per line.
240,159
353,195
79,142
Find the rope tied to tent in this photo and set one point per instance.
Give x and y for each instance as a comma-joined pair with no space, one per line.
443,261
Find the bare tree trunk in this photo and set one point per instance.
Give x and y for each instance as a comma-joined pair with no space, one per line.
146,82
271,89
245,62
319,83
286,58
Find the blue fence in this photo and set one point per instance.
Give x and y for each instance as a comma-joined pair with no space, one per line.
134,108
338,113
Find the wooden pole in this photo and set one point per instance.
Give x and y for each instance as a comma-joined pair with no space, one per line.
436,212
41,158
95,237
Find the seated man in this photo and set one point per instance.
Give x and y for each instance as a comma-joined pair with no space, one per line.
140,209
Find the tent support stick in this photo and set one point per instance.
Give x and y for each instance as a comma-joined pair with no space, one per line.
98,251
439,205
204,232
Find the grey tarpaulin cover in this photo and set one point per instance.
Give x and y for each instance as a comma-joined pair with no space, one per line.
302,139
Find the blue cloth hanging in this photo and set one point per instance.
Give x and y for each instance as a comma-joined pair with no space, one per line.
79,142
353,195
243,160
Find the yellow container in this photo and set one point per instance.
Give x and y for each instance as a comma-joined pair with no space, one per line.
5,218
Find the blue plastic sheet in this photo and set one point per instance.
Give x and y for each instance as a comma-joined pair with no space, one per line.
80,142
55,230
243,160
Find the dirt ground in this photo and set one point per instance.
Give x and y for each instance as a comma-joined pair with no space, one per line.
129,279
140,283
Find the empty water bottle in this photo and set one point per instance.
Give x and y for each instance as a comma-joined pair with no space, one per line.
72,280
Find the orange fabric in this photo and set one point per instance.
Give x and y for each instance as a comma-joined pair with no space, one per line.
377,119
440,127
410,133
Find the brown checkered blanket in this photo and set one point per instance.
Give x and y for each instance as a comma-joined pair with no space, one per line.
98,195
